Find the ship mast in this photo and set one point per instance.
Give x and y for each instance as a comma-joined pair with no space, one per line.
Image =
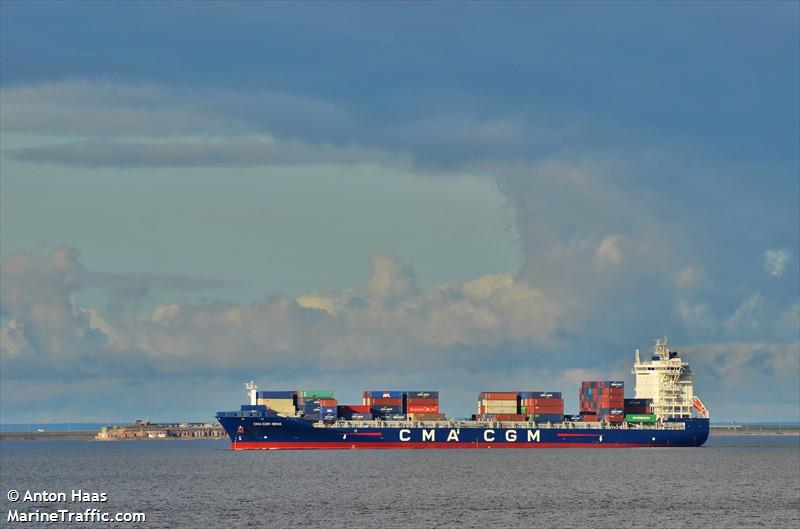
252,389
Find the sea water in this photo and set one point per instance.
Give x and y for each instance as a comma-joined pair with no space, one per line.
730,482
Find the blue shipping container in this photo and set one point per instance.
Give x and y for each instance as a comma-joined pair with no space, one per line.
385,394
254,407
422,394
540,395
547,417
386,410
361,416
312,416
638,402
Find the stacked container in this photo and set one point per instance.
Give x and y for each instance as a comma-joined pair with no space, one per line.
542,406
637,406
355,412
499,406
279,401
311,403
385,404
421,403
602,400
639,411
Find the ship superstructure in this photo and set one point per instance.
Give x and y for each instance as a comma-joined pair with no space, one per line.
666,379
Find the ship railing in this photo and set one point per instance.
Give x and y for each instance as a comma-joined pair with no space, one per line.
566,425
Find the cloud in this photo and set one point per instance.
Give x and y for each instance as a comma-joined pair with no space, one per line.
687,277
151,125
697,318
389,320
775,262
237,152
749,317
736,362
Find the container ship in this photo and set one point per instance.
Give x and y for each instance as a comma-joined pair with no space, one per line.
664,412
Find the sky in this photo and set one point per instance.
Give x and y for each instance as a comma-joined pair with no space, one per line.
445,196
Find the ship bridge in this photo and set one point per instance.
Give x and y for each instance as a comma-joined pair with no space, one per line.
667,380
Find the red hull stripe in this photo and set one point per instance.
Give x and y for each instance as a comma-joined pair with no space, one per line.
238,445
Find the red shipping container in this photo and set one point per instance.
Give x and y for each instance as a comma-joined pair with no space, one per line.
381,401
494,395
357,408
422,409
589,418
615,418
328,403
422,402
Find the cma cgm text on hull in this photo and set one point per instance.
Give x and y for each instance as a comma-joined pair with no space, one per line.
664,412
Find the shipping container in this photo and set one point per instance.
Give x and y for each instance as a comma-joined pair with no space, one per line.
640,417
311,407
328,402
540,395
379,411
380,401
383,394
422,402
422,409
359,416
422,394
276,394
352,408
317,394
497,395
395,417
499,403
312,416
502,417
427,416
254,407
546,417
544,402
283,406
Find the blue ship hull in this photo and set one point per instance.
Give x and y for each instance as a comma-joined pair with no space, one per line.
256,431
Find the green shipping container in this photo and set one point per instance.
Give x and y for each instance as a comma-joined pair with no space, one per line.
640,417
317,394
522,410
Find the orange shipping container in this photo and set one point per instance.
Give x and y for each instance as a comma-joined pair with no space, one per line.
497,395
422,409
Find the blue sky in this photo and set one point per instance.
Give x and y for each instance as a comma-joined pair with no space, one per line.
454,196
